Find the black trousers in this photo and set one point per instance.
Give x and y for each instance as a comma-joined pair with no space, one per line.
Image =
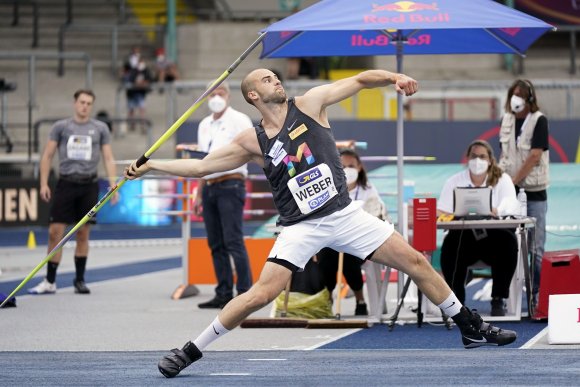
223,212
328,266
499,250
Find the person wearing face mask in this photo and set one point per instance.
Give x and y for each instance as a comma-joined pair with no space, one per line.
463,248
138,84
525,156
220,199
359,189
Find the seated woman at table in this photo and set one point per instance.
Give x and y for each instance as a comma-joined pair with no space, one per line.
495,247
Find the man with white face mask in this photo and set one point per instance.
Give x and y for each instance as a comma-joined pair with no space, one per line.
462,248
220,199
525,157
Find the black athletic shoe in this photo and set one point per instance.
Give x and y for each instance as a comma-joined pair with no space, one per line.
178,359
81,287
498,307
361,309
476,333
215,303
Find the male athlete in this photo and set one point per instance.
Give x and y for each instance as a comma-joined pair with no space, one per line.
295,146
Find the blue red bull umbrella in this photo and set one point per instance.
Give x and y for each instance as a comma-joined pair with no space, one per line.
375,27
371,27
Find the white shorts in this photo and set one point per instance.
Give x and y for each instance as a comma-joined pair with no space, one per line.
350,230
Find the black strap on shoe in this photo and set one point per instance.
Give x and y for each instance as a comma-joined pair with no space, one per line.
172,364
489,329
192,351
180,359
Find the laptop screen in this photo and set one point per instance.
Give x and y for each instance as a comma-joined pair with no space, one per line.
472,201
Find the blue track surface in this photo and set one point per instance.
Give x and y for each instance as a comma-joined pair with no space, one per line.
427,337
501,367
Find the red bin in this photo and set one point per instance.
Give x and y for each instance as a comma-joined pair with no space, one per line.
560,275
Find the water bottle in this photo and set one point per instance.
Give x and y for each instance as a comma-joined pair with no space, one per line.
523,199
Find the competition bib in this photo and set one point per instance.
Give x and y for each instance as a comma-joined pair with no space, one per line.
313,188
79,147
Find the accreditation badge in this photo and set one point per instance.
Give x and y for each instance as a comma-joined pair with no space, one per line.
79,147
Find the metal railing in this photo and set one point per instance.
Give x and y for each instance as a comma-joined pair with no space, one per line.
32,57
470,100
148,124
179,93
552,93
121,7
519,65
16,16
571,30
113,29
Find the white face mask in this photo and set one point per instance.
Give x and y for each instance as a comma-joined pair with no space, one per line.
517,104
478,166
351,175
217,104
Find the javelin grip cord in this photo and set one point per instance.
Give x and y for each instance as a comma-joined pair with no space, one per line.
142,160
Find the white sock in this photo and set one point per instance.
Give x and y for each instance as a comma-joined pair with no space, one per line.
451,306
214,331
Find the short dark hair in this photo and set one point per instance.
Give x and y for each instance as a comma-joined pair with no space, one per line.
246,87
84,91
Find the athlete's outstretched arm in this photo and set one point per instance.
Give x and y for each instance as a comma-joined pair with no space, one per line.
315,100
239,152
337,91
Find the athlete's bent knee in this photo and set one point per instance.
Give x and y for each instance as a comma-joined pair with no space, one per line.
258,297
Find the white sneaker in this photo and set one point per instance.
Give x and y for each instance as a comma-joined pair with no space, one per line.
44,287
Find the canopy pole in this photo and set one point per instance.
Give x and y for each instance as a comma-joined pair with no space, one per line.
400,139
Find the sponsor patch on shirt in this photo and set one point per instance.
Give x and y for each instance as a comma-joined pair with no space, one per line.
298,131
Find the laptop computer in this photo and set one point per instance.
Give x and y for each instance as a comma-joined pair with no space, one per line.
472,203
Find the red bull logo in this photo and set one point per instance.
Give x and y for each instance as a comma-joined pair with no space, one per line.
358,40
405,12
405,6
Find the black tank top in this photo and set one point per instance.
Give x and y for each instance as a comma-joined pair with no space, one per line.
304,169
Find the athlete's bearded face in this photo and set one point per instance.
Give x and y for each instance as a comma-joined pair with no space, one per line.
270,89
276,96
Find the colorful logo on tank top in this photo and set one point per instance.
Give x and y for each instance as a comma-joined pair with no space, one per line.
302,151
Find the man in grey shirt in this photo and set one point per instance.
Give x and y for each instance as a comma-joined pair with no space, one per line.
80,141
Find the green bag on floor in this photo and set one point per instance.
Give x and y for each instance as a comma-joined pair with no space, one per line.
307,306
